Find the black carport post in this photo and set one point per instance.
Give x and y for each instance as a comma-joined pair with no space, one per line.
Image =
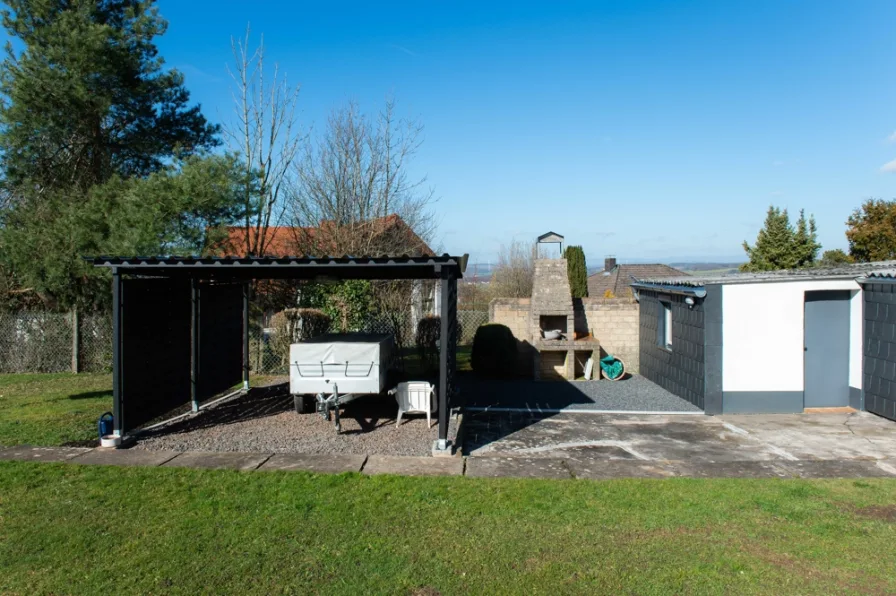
194,343
444,346
245,336
116,351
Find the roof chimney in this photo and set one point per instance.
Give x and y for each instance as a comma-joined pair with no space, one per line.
609,263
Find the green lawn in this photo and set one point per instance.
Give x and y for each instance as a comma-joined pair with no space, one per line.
93,530
44,409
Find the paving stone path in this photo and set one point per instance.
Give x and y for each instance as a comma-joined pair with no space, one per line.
480,467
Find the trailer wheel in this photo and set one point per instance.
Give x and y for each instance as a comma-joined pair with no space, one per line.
304,404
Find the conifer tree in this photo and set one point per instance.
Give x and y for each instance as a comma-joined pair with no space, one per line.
781,246
88,97
577,271
100,148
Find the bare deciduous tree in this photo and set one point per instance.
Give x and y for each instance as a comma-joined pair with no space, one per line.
512,277
353,178
265,136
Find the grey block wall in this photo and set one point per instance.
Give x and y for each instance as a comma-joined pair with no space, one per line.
879,361
682,370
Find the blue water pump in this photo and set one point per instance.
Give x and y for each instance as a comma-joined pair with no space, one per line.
105,424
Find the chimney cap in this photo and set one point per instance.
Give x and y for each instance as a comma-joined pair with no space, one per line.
550,238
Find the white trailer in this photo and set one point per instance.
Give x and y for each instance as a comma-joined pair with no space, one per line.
334,369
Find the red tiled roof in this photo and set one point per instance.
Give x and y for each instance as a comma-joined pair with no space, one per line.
280,241
619,279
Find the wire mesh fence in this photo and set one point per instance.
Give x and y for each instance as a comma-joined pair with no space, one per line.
46,342
468,321
49,342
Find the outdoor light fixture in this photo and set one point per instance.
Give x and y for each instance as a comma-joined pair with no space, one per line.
689,301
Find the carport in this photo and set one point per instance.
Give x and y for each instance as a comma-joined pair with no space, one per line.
180,325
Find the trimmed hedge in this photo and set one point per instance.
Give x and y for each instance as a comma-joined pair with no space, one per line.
494,351
429,329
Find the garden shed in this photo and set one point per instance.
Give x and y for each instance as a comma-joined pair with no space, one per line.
181,324
772,342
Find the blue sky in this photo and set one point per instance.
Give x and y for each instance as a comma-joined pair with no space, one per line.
653,131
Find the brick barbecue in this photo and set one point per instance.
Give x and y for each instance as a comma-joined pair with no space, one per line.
551,308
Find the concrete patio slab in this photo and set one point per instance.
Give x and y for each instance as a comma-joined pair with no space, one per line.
858,435
318,463
125,457
887,465
601,470
698,440
46,454
414,466
519,467
735,469
218,460
834,469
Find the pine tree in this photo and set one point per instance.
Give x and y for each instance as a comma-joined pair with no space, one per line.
805,237
781,246
577,271
100,149
87,96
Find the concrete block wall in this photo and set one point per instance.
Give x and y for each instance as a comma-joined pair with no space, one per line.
512,312
553,366
615,322
879,350
682,370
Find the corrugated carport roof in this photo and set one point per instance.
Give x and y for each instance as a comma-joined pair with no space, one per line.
300,267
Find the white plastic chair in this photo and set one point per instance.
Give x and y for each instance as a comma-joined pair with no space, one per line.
415,397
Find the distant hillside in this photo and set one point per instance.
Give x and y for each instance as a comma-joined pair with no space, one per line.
479,272
706,267
692,268
483,271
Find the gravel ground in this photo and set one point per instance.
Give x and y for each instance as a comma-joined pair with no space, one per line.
265,420
632,394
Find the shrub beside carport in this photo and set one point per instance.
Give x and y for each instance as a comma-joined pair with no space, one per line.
494,351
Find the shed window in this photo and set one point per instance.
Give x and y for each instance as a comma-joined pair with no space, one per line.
664,328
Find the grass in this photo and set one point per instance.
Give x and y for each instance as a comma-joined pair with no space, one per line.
52,409
80,529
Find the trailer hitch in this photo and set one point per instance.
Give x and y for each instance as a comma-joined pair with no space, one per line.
329,406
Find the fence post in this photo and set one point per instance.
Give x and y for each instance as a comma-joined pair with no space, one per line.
76,340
